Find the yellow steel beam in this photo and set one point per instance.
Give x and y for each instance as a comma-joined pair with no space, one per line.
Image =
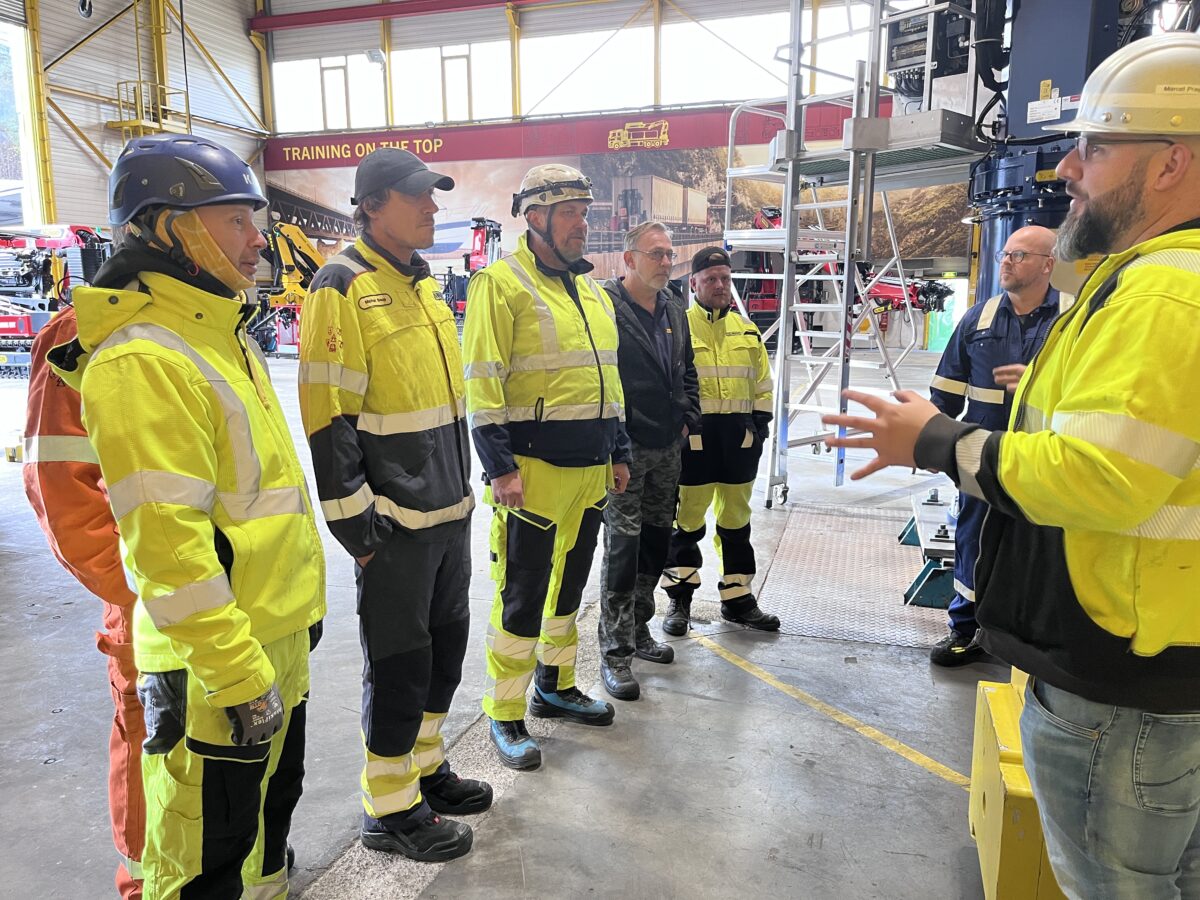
158,40
812,48
93,35
112,101
514,56
264,71
658,52
38,95
69,122
216,67
385,46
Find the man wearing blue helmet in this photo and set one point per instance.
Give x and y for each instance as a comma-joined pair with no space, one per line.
220,543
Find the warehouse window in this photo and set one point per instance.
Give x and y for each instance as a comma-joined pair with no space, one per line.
618,75
334,89
453,83
20,190
727,59
417,86
297,83
332,93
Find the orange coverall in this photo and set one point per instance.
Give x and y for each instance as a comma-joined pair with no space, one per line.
64,486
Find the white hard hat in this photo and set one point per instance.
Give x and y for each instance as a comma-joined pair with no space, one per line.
551,183
1150,86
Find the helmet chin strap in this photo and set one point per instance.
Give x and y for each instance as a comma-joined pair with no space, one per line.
547,236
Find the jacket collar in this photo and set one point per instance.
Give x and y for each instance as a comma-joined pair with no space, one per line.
416,268
713,315
1049,302
579,267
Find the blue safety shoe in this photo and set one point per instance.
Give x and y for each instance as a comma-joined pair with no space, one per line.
572,704
516,748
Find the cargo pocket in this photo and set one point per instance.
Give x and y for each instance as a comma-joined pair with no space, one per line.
174,833
529,550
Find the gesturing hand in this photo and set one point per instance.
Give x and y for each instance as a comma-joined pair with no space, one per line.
892,433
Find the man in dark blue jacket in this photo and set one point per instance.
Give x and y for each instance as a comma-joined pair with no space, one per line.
980,368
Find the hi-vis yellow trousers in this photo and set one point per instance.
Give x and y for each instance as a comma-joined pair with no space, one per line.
541,556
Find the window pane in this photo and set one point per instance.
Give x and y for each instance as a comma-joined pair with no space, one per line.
417,86
456,50
457,86
335,97
366,93
618,76
491,80
327,61
295,84
699,68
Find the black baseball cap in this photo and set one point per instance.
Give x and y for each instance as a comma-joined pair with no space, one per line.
709,257
391,167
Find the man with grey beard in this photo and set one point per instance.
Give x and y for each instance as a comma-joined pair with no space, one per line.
1089,555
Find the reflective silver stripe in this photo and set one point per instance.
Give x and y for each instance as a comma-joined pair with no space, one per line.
198,596
968,453
546,326
558,626
986,395
602,298
727,372
1170,523
1033,420
431,757
335,375
721,405
393,767
283,501
733,592
988,314
509,645
133,867
570,412
507,688
763,404
558,656
342,260
949,386
483,370
273,888
140,488
41,448
1149,444
679,575
396,801
764,386
258,354
1178,258
482,417
431,725
410,422
414,518
348,507
566,359
237,422
963,591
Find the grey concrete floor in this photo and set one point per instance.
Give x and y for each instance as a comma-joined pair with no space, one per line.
716,782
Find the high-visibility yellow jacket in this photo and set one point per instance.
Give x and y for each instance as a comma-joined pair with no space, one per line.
219,535
381,395
540,349
1089,556
735,398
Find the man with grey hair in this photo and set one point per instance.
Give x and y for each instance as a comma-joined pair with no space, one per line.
661,407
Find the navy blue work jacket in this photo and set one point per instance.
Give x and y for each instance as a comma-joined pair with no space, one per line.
988,335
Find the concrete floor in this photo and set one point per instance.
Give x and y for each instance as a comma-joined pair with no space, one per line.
720,780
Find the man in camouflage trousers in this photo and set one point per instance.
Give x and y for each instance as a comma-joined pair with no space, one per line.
662,407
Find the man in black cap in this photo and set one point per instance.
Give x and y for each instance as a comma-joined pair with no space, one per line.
382,397
720,463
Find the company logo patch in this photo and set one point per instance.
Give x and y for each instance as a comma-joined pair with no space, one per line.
374,300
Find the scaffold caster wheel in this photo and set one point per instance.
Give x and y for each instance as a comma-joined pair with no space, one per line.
778,496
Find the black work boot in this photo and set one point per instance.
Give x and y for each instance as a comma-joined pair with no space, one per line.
428,838
450,795
678,617
647,648
745,611
619,681
957,650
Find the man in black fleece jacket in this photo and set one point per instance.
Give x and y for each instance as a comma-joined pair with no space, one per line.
662,407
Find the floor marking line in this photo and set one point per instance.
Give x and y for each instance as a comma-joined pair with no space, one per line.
842,718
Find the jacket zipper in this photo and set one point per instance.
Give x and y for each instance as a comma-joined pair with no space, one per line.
450,388
592,341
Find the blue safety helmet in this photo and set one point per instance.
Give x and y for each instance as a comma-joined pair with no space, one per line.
181,171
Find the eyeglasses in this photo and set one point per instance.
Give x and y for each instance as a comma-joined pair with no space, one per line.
659,255
1017,256
1084,142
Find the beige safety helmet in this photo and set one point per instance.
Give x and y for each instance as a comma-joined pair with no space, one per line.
1151,86
551,183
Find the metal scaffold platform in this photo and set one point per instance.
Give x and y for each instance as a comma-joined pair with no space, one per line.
834,264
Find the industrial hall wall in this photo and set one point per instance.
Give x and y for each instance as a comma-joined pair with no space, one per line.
664,165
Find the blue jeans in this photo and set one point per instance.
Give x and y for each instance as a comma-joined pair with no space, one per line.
1118,790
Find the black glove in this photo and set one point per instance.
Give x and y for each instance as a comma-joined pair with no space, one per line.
762,425
315,630
257,721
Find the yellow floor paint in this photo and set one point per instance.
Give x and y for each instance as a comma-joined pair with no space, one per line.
867,731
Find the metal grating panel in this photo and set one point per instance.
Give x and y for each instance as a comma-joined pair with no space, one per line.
840,573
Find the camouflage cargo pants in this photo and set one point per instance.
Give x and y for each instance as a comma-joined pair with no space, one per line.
637,532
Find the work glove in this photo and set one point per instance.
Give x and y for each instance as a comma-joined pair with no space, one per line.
256,721
762,425
315,631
